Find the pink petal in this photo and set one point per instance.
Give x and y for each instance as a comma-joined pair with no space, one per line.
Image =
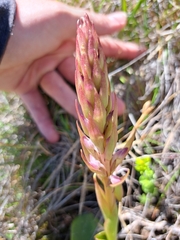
95,164
115,180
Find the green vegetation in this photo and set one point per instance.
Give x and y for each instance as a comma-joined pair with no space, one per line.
147,178
83,227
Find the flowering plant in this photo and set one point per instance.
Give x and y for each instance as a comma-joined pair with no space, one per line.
97,112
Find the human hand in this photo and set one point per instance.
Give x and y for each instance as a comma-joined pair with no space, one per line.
40,54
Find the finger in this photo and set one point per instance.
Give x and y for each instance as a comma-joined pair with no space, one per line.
121,106
121,50
54,85
69,65
112,48
67,69
107,24
104,24
36,106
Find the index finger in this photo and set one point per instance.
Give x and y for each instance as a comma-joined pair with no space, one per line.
67,17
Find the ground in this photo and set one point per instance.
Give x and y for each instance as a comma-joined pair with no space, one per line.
44,187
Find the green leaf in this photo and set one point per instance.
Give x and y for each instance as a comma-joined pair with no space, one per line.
137,7
83,227
123,79
9,236
143,198
101,236
124,5
147,185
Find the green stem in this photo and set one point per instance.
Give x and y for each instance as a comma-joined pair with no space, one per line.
111,221
107,203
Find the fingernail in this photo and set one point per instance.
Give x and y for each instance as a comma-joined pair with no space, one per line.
118,18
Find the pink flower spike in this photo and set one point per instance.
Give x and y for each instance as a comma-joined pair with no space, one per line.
82,119
95,164
120,154
120,170
115,180
89,144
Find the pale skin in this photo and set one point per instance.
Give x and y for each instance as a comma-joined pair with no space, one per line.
40,54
